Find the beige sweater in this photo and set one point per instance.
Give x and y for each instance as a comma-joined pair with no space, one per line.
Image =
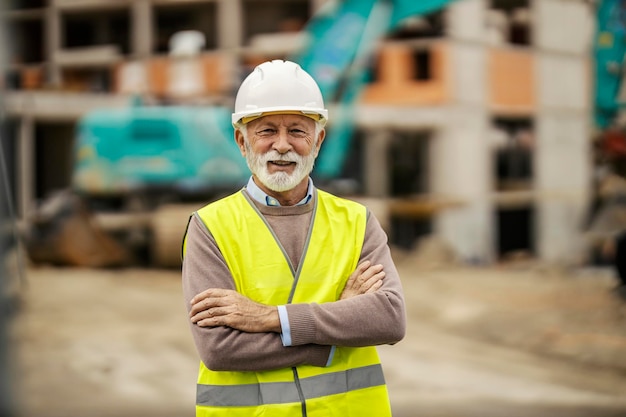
365,320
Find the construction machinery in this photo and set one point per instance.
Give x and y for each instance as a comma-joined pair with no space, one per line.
144,169
140,167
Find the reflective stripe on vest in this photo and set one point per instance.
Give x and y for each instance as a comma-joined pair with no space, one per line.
285,392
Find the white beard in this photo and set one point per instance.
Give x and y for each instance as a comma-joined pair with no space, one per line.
279,181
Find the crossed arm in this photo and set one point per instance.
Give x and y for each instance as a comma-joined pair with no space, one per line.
222,307
236,334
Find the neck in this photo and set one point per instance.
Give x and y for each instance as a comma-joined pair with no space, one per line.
288,197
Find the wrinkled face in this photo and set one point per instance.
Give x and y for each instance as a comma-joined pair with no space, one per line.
280,149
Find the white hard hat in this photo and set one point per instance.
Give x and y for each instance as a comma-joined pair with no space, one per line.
187,43
278,87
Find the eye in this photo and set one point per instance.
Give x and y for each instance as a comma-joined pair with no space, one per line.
297,133
266,132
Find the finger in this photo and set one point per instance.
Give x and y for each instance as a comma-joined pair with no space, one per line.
216,316
203,304
201,296
210,322
367,275
210,313
372,270
352,281
201,316
366,281
374,287
220,311
366,285
360,269
363,266
216,298
210,293
373,279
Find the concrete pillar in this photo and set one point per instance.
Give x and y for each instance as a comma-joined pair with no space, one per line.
461,162
563,166
142,29
230,35
563,126
461,170
377,181
230,24
53,42
26,166
465,20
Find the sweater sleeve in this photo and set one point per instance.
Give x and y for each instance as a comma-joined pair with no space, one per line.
224,348
365,320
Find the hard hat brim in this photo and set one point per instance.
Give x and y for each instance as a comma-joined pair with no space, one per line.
247,119
319,115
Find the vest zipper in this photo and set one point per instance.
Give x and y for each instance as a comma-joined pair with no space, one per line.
296,379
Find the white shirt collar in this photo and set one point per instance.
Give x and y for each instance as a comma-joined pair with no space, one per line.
260,195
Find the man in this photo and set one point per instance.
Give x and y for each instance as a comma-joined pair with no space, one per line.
288,288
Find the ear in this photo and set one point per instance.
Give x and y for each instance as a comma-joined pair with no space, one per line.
320,139
240,141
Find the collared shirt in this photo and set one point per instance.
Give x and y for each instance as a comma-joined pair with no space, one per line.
262,197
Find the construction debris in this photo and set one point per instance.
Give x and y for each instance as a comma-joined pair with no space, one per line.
61,232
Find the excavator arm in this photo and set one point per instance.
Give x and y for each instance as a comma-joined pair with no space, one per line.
609,49
340,41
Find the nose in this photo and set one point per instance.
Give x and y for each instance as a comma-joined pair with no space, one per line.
282,143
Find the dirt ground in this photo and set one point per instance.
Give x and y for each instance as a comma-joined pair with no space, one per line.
518,339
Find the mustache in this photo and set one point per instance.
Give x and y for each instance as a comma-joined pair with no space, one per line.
285,157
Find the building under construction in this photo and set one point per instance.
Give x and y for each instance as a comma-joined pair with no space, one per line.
474,127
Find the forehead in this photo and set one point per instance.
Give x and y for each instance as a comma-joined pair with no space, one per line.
283,120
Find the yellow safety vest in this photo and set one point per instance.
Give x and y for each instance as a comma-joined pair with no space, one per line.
353,385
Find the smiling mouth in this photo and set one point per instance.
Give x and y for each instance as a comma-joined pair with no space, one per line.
282,163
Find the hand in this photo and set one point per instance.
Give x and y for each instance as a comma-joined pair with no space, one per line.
366,278
220,307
